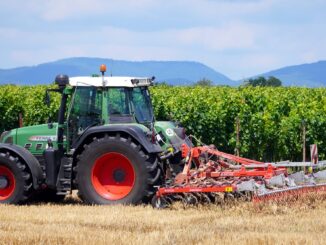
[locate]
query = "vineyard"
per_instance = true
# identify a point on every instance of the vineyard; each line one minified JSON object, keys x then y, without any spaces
{"x":270,"y":120}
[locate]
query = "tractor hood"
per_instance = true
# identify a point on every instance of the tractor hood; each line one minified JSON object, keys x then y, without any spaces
{"x":35,"y":138}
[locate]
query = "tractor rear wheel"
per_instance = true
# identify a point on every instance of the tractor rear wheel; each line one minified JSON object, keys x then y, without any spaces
{"x":15,"y":180}
{"x":115,"y":170}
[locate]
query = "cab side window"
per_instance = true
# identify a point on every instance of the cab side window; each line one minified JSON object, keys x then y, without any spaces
{"x":118,"y":102}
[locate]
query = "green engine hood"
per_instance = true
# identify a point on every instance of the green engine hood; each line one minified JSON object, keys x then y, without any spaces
{"x":35,"y":138}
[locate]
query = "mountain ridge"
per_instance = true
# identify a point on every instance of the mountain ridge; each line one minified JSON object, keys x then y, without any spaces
{"x":179,"y":72}
{"x":172,"y":72}
{"x":308,"y":75}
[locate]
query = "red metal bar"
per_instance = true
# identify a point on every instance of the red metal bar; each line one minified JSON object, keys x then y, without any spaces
{"x":241,"y":160}
{"x":239,"y":173}
{"x":211,"y":171}
{"x":191,"y":189}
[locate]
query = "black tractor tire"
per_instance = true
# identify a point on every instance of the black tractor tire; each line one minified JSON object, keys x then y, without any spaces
{"x":116,"y":160}
{"x":17,"y":178}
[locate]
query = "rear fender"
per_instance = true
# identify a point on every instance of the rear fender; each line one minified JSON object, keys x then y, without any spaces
{"x":135,"y":132}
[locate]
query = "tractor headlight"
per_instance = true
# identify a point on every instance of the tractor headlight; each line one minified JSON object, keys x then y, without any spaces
{"x":3,"y":135}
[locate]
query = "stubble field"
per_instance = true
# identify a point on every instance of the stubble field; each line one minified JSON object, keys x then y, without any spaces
{"x":296,"y":222}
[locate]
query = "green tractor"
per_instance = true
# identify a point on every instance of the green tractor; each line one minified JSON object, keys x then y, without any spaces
{"x":106,"y":144}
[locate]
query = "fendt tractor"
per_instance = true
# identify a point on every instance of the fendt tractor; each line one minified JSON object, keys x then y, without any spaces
{"x":107,"y":145}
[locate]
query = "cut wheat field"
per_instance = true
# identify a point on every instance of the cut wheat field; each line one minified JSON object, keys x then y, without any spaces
{"x":295,"y":222}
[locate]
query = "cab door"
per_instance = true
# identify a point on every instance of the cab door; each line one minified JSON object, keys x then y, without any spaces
{"x":85,"y":111}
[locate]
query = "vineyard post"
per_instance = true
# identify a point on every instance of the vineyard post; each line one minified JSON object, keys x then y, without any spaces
{"x":20,"y":119}
{"x":303,"y":123}
{"x":237,"y":147}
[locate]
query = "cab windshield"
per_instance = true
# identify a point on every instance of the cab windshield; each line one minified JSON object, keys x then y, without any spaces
{"x":132,"y":103}
{"x":142,"y":105}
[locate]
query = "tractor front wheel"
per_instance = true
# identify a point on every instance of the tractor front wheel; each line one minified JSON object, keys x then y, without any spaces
{"x":115,"y":170}
{"x":15,"y":180}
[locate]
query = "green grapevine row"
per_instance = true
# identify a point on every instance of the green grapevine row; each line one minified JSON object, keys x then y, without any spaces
{"x":270,"y":119}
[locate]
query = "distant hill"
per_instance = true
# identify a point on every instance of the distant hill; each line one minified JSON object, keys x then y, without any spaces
{"x":308,"y":75}
{"x":172,"y":72}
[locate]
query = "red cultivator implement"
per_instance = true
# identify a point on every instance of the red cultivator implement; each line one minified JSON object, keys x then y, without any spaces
{"x":212,"y":176}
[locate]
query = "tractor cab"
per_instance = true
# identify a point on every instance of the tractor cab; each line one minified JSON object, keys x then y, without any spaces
{"x":108,"y":100}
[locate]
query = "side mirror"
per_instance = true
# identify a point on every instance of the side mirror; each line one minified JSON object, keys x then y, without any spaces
{"x":47,"y":99}
{"x":62,"y":81}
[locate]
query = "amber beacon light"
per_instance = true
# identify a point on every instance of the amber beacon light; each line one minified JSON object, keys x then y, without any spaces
{"x":103,"y":69}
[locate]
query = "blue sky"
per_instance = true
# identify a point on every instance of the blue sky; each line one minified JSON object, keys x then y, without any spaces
{"x":239,"y":38}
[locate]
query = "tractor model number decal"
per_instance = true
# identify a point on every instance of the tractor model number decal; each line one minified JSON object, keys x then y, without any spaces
{"x":43,"y":138}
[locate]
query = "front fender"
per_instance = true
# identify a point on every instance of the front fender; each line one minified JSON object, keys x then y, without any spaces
{"x":32,"y":163}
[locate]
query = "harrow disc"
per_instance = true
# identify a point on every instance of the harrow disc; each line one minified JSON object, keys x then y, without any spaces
{"x":161,"y":202}
{"x":191,"y":199}
{"x":204,"y":198}
{"x":218,"y":198}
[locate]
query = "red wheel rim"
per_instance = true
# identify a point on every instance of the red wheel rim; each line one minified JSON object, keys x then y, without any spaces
{"x":6,"y":192}
{"x":113,"y":176}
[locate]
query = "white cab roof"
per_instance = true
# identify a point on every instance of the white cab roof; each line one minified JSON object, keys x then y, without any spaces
{"x":110,"y":81}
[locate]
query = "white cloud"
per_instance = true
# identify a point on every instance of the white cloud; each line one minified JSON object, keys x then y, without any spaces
{"x":122,"y":43}
{"x":54,"y":10}
{"x":226,"y":8}
{"x":233,"y":36}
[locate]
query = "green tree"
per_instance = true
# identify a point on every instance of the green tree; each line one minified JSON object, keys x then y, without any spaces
{"x":204,"y":83}
{"x":273,"y":82}
{"x":263,"y":82}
